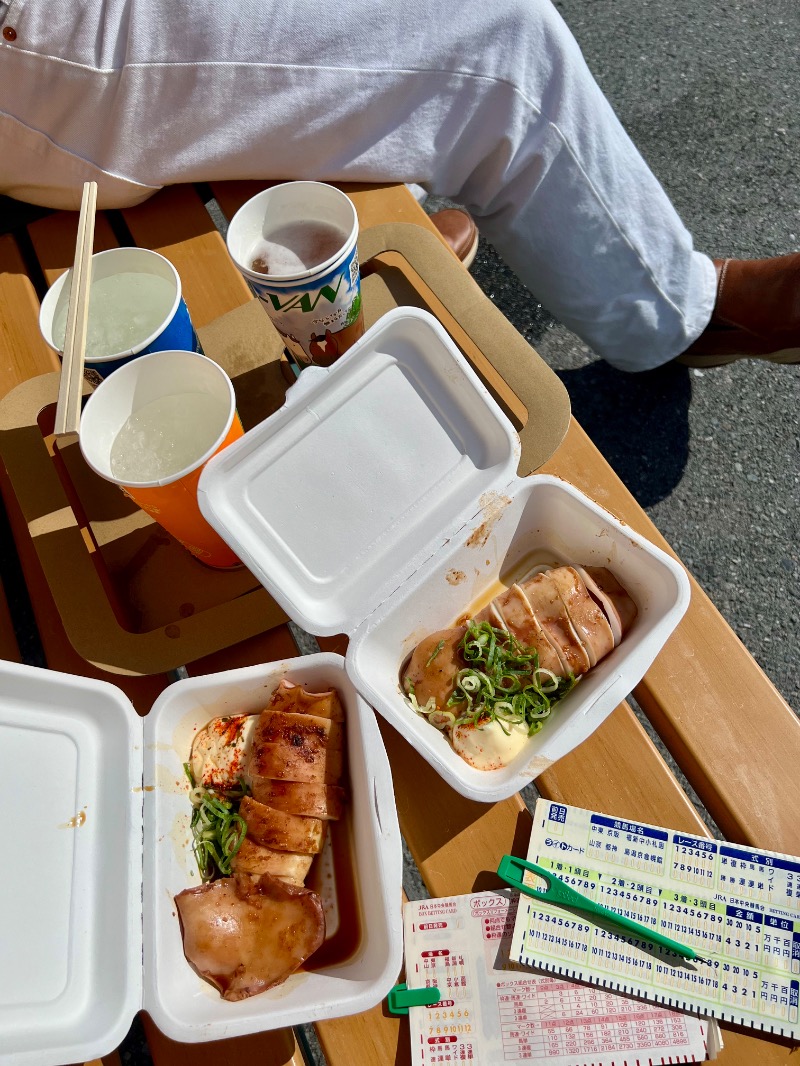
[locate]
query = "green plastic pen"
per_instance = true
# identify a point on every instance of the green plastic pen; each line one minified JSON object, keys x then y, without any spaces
{"x":512,"y":871}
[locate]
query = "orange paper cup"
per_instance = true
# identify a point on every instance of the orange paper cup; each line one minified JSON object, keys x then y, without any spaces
{"x":151,"y":427}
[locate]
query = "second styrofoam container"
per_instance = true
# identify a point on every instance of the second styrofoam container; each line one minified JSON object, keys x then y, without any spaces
{"x":382,"y":501}
{"x":540,"y":521}
{"x":91,"y":933}
{"x":183,"y":1005}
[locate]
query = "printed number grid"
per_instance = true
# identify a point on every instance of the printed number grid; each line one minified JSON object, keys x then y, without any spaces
{"x":738,"y":909}
{"x":542,"y":1020}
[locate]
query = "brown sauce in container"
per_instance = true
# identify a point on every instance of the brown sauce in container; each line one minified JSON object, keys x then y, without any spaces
{"x":344,"y":943}
{"x":520,"y":571}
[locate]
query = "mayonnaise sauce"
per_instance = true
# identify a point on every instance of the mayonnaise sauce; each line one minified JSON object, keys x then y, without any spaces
{"x":488,"y":747}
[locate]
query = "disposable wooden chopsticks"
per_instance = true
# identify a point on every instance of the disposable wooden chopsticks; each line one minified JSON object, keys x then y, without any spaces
{"x":68,"y":409}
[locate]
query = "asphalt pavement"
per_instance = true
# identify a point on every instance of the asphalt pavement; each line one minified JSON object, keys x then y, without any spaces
{"x":709,"y":93}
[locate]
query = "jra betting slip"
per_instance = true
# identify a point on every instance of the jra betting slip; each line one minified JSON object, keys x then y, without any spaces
{"x":738,"y":908}
{"x":493,"y":1010}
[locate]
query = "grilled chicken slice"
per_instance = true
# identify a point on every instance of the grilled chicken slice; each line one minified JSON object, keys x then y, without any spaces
{"x":247,"y":934}
{"x":273,"y":726}
{"x":295,"y":747}
{"x":588,"y":620}
{"x":610,"y":589}
{"x":300,"y":797}
{"x":549,"y":608}
{"x":491,"y":615}
{"x":252,"y":858}
{"x":519,"y":619}
{"x":281,"y":831}
{"x":572,"y":616}
{"x":433,"y":672}
{"x":290,"y":697}
{"x":605,"y":604}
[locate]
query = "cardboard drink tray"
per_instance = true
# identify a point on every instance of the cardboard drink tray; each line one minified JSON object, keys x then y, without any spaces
{"x":134,"y":601}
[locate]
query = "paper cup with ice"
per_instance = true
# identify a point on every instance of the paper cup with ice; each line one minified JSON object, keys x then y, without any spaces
{"x":151,"y":427}
{"x":296,"y":245}
{"x":135,"y":306}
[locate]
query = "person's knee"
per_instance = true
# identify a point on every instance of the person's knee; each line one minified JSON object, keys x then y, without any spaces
{"x":504,"y":39}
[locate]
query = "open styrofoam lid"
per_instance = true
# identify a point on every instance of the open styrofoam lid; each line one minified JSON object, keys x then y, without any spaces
{"x":70,"y":895}
{"x":337,"y":498}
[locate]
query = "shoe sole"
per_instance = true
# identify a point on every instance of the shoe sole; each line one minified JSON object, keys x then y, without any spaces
{"x":786,"y":357}
{"x":469,"y":258}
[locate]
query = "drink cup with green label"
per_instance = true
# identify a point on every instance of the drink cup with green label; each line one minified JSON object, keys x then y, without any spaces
{"x":295,"y":244}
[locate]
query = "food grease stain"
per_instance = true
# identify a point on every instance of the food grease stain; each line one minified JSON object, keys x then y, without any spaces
{"x":492,"y":505}
{"x":75,"y":822}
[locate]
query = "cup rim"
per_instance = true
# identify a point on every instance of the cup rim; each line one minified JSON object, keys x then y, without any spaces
{"x":279,"y":280}
{"x":114,"y":381}
{"x":58,"y":284}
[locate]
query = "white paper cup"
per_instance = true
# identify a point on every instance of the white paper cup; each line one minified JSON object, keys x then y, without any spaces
{"x":317,"y":307}
{"x":172,"y":330}
{"x":172,"y":499}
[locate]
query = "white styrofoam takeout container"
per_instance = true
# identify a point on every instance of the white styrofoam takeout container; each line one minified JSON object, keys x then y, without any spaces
{"x":90,"y":931}
{"x":382,"y":501}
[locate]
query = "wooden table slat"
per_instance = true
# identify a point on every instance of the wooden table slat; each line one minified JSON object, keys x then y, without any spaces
{"x":53,"y":240}
{"x":176,"y":223}
{"x":450,"y":837}
{"x":457,"y":844}
{"x":374,"y":1037}
{"x":107,"y":1060}
{"x":23,"y":352}
{"x":275,"y":1048}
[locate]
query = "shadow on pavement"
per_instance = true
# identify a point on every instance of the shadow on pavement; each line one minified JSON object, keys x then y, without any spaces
{"x":640,"y":422}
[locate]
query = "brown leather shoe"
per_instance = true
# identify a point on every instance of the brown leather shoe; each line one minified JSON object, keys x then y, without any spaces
{"x":756,"y":316}
{"x":459,"y":230}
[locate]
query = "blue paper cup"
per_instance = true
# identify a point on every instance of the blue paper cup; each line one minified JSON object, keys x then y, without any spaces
{"x":295,"y":244}
{"x":136,"y":289}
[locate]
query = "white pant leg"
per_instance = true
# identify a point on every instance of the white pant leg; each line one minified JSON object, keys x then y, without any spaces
{"x":489,"y":105}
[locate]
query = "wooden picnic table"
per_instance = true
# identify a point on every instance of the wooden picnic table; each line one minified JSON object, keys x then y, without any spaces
{"x":723,"y":722}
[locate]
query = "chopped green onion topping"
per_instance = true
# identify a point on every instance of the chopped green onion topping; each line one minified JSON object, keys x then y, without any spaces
{"x":436,"y":651}
{"x":501,"y":681}
{"x":217,"y":827}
